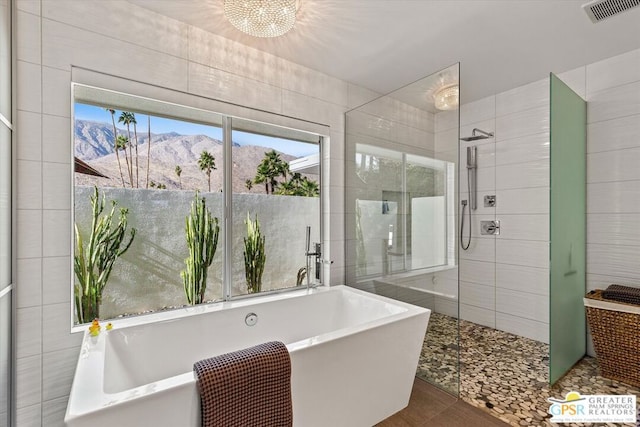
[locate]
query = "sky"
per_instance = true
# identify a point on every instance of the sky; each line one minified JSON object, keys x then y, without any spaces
{"x":163,"y":125}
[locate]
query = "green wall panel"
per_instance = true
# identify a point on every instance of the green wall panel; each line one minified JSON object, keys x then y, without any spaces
{"x":568,"y":117}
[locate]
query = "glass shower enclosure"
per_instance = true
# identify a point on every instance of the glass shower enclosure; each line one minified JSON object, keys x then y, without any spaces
{"x":400,"y":203}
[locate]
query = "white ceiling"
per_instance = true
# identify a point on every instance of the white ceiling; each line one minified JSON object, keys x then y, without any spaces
{"x":386,"y":44}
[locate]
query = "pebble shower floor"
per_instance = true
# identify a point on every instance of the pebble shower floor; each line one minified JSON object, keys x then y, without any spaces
{"x":504,"y":374}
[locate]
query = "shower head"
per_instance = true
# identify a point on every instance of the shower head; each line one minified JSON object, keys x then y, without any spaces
{"x":474,"y":137}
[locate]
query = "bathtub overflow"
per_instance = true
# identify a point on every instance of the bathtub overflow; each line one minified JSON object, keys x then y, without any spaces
{"x":251,"y":319}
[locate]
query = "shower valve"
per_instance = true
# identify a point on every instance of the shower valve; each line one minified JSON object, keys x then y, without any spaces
{"x":489,"y":227}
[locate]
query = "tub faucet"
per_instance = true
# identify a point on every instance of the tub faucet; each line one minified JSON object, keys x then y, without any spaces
{"x":317,"y":253}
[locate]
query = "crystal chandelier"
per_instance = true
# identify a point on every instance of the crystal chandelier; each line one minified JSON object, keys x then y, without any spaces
{"x":261,"y":18}
{"x":446,"y":98}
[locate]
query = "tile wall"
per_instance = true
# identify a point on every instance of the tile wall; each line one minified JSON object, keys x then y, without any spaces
{"x":504,"y":278}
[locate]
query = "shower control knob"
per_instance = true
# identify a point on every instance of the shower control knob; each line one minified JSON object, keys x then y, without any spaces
{"x":489,"y":228}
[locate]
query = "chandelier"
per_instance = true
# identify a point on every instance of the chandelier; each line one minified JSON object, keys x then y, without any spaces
{"x":447,"y":97}
{"x":261,"y":18}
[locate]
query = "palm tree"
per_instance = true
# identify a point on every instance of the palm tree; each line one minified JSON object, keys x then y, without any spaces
{"x":287,"y":188}
{"x":249,"y":184}
{"x":135,"y":135}
{"x":121,"y":144}
{"x":127,"y":118}
{"x":271,"y":167}
{"x":179,"y":172}
{"x":262,"y":176}
{"x":309,"y":188}
{"x":115,"y":141}
{"x":207,"y":163}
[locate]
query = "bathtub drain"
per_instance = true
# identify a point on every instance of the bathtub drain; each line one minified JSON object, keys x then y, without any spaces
{"x":251,"y":319}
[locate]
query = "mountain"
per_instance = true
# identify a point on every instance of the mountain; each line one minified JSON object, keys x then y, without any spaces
{"x":93,"y":142}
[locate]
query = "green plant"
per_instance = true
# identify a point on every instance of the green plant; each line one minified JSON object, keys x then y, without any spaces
{"x":128,"y":118}
{"x":93,"y":263}
{"x":116,"y":148}
{"x":271,"y":167}
{"x":202,"y":232}
{"x":207,"y":163}
{"x":254,"y":255}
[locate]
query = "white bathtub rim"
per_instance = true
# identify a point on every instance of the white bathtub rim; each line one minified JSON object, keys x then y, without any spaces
{"x":89,"y":396}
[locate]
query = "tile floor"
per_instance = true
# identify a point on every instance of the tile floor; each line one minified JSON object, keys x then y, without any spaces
{"x":503,"y":374}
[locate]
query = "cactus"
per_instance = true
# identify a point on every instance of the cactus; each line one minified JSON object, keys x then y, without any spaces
{"x":93,"y":264}
{"x":254,"y":255}
{"x":202,"y":232}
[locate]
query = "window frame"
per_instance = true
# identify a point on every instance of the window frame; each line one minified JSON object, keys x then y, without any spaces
{"x":227,"y":113}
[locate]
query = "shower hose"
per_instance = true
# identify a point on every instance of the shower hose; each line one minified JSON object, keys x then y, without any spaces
{"x":464,"y":206}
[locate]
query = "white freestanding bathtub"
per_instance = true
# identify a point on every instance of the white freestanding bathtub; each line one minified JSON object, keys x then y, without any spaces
{"x":353,"y":359}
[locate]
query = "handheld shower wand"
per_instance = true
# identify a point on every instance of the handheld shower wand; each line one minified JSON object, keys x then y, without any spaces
{"x":471,"y":177}
{"x":472,"y":169}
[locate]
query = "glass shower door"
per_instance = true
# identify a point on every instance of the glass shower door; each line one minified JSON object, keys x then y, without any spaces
{"x":400,"y":201}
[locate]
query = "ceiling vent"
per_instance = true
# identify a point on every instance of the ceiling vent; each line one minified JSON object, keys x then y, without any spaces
{"x":603,"y":9}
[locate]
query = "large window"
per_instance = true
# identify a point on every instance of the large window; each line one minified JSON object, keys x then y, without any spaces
{"x":402,"y":212}
{"x":208,"y":207}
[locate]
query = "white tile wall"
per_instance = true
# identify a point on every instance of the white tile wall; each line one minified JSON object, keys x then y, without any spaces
{"x":478,"y":111}
{"x":480,"y":272}
{"x":478,"y":295}
{"x":522,"y":304}
{"x":58,"y":132}
{"x":29,"y":184}
{"x":522,"y":252}
{"x":29,"y":85}
{"x":613,"y":189}
{"x":523,"y":149}
{"x":520,"y":278}
{"x":525,"y":227}
{"x":523,"y":98}
{"x":481,"y":316}
{"x":617,"y":165}
{"x":614,"y":134}
{"x":512,"y":267}
{"x":30,"y":416}
{"x":613,"y":228}
{"x":29,"y":370}
{"x":29,"y":138}
{"x":522,"y":123}
{"x":533,"y":329}
{"x":613,"y":103}
{"x":613,"y":197}
{"x":28,"y":44}
{"x":30,"y":293}
{"x":523,"y":175}
{"x":613,"y":72}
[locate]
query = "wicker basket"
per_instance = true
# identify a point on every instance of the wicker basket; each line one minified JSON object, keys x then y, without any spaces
{"x":615,"y":328}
